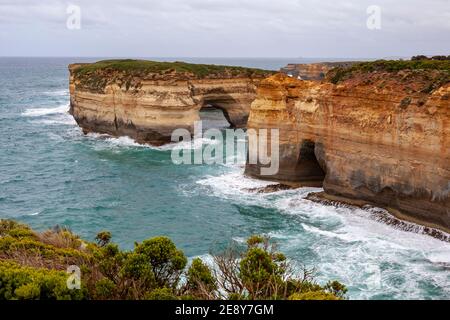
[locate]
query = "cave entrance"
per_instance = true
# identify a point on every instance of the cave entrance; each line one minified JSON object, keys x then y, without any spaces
{"x":214,"y":117}
{"x":308,"y":167}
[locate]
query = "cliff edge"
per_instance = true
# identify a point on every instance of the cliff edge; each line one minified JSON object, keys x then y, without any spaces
{"x":377,"y":132}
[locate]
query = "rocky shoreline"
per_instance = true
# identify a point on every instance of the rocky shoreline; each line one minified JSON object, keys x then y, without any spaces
{"x":380,"y":215}
{"x":385,"y":216}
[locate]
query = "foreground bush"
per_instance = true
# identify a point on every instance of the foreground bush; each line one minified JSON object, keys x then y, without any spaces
{"x":19,"y":282}
{"x":33,"y":266}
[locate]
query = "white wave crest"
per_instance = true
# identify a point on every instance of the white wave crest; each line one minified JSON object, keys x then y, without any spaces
{"x":195,"y":144}
{"x":57,"y":93}
{"x":57,"y":119}
{"x":125,"y":141}
{"x":116,"y":141}
{"x":233,"y":184}
{"x":39,"y":112}
{"x":342,"y":236}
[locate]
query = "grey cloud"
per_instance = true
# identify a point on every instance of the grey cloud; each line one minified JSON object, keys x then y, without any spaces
{"x":225,"y":28}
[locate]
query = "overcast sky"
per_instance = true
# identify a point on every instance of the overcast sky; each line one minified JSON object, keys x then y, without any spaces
{"x":225,"y":28}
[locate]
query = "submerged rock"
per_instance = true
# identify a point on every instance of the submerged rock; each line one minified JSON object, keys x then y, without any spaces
{"x":270,"y":188}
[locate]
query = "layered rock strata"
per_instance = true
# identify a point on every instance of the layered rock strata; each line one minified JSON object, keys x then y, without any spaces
{"x":147,"y":100}
{"x":375,"y":136}
{"x":313,"y":71}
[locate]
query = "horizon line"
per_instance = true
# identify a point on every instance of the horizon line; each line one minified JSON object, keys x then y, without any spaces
{"x":202,"y":57}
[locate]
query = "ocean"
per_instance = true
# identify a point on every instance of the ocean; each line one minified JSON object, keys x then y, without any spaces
{"x":51,"y":174}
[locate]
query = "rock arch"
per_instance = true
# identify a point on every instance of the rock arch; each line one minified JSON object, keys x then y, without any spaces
{"x":150,"y":113}
{"x":235,"y":111}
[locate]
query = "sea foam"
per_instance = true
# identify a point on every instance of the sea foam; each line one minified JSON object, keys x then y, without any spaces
{"x":39,"y":112}
{"x":125,"y":141}
{"x":350,"y":244}
{"x":57,"y":93}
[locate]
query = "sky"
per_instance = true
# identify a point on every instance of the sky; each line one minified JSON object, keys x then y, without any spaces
{"x":225,"y":28}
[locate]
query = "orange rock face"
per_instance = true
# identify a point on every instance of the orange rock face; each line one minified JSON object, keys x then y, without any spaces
{"x":379,"y":137}
{"x":151,"y":106}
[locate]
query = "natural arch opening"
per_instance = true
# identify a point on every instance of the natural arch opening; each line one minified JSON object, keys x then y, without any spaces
{"x":234,"y":110}
{"x":214,"y":117}
{"x":308,"y":165}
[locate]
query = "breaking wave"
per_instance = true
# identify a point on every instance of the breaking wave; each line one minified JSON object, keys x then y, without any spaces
{"x":39,"y":112}
{"x":125,"y":141}
{"x":351,"y":244}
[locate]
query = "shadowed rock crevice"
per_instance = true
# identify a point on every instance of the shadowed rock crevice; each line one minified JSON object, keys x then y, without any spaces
{"x":308,"y":167}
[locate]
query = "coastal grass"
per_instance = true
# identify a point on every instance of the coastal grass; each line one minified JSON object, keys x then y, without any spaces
{"x":340,"y":74}
{"x":129,"y":73}
{"x":146,"y":66}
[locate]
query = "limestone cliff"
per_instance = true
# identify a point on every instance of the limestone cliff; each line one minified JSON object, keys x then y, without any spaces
{"x":313,"y":71}
{"x":376,"y":132}
{"x":147,"y":100}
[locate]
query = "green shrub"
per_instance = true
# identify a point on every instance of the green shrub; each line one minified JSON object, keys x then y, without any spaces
{"x":164,"y":259}
{"x":258,"y":268}
{"x":137,"y":266}
{"x":200,"y":279}
{"x":313,"y":295}
{"x":14,"y":229}
{"x":18,"y":282}
{"x":105,"y":289}
{"x":260,"y":272}
{"x":109,"y":260}
{"x":30,"y":246}
{"x":161,"y":294}
{"x":255,"y":240}
{"x":103,"y":238}
{"x":336,"y":288}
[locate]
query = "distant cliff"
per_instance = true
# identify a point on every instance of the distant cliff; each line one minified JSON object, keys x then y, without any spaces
{"x":377,"y":132}
{"x":147,"y":100}
{"x":313,"y":71}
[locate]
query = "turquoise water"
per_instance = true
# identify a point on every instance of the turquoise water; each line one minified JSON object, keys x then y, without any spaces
{"x":50,"y":173}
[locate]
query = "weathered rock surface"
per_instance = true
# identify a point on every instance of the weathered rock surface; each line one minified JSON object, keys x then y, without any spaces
{"x":381,"y":137}
{"x":313,"y":71}
{"x":148,"y":100}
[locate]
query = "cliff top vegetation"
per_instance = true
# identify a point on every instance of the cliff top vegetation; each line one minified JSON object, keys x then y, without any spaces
{"x":439,"y":70}
{"x":146,"y":66}
{"x":129,"y":73}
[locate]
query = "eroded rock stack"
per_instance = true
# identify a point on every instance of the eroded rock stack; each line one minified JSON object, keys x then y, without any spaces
{"x":147,"y":100}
